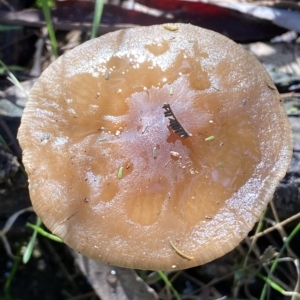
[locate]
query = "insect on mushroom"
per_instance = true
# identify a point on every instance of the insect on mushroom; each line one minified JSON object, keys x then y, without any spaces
{"x":174,"y":123}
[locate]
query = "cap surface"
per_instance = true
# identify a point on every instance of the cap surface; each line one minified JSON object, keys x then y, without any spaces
{"x":109,"y":175}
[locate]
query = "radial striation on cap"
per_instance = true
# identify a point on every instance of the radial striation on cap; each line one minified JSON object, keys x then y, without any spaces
{"x":154,"y":147}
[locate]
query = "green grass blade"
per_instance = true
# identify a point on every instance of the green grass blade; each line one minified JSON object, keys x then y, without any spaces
{"x":47,"y":15}
{"x":44,"y":233}
{"x":39,"y":4}
{"x":169,"y":284}
{"x":13,"y":78}
{"x":12,"y":273}
{"x":272,"y":284}
{"x":11,"y":68}
{"x":97,"y":17}
{"x":4,"y":27}
{"x":276,"y":260}
{"x":30,"y":246}
{"x":277,"y":287}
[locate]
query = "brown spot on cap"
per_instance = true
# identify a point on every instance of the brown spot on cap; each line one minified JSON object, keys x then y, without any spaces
{"x":130,"y":219}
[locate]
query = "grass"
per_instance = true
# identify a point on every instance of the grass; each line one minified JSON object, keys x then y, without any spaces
{"x":99,"y":4}
{"x":12,"y":78}
{"x":30,"y":246}
{"x":268,"y":281}
{"x":47,"y":15}
{"x":168,"y":283}
{"x":47,"y":5}
{"x":8,"y":282}
{"x":242,"y":272}
{"x":38,"y":229}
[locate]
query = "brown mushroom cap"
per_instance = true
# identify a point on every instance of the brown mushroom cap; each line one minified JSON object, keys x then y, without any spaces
{"x":110,"y":177}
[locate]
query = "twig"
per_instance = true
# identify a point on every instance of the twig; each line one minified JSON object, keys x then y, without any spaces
{"x":257,"y":235}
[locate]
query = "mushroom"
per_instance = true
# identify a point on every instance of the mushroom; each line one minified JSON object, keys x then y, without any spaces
{"x":154,"y":147}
